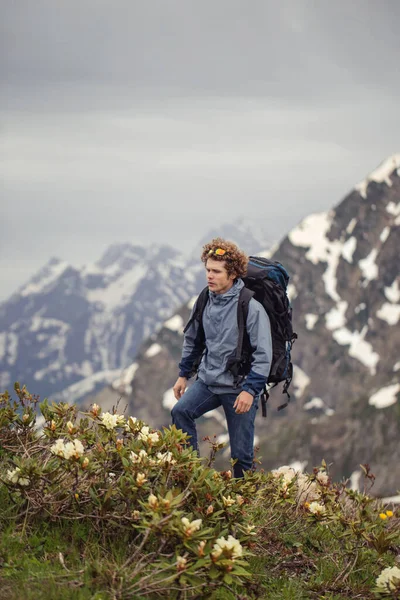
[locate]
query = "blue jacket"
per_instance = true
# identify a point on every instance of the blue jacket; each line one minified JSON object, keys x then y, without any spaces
{"x":221,"y":336}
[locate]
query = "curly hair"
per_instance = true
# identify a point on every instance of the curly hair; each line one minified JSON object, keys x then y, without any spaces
{"x":234,"y":258}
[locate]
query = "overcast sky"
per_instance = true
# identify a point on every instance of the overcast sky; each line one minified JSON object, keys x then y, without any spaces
{"x":153,"y":121}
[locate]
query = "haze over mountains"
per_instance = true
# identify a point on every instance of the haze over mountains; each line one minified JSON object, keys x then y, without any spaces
{"x":69,"y":332}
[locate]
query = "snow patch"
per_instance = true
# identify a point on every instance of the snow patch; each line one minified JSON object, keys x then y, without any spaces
{"x":119,"y":291}
{"x":380,"y":175}
{"x":291,"y":292}
{"x":391,"y":500}
{"x":335,"y":318}
{"x":385,"y":396}
{"x":54,"y":366}
{"x":389,"y":313}
{"x":8,"y":347}
{"x":311,"y":234}
{"x":392,"y":293}
{"x":191,"y":302}
{"x":85,"y":386}
{"x":45,"y":278}
{"x":369,"y":267}
{"x":314,"y":403}
{"x":5,"y":380}
{"x":175,"y":323}
{"x":393,"y":209}
{"x":169,"y":399}
{"x":270,"y":252}
{"x":384,"y":235}
{"x":123,"y":384}
{"x":300,"y":380}
{"x":311,"y":320}
{"x":360,"y":307}
{"x":350,"y":226}
{"x":349,"y":248}
{"x":3,"y":343}
{"x":39,"y":323}
{"x":355,"y":480}
{"x":298,"y":466}
{"x":153,"y":350}
{"x":359,"y":348}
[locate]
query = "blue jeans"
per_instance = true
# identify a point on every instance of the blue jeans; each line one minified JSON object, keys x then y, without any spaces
{"x":197,"y":400}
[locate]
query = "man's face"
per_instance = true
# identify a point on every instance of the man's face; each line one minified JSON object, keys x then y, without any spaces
{"x":218,"y":279}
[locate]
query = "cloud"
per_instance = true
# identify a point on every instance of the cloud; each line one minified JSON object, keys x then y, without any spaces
{"x":132,"y":121}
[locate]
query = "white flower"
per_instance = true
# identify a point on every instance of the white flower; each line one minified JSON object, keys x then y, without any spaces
{"x":110,"y":421}
{"x":134,"y":457}
{"x":144,"y":432}
{"x":190,"y":527}
{"x":153,"y":502}
{"x":287,"y":472}
{"x":70,"y":427}
{"x":58,"y":447}
{"x":316,"y":508}
{"x":230,"y":547}
{"x":322,"y":478}
{"x":141,"y":479}
{"x":146,"y":436}
{"x":166,"y":457}
{"x":228,"y":501}
{"x":181,"y":563}
{"x":69,"y":450}
{"x":14,"y":477}
{"x":130,"y":423}
{"x":389,"y":579}
{"x":139,"y":458}
{"x":95,"y":410}
{"x":79,"y":449}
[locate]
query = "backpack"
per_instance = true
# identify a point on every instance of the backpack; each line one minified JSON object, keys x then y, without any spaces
{"x":266,"y":281}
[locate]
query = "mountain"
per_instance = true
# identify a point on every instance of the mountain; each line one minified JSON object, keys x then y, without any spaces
{"x":345,"y":292}
{"x":70,"y":331}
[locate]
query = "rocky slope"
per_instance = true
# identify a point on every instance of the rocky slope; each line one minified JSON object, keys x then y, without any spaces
{"x":345,"y":291}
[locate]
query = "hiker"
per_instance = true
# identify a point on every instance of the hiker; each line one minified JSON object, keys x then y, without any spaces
{"x":215,"y":385}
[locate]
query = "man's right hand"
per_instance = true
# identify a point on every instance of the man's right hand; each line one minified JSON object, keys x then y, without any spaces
{"x":180,"y":387}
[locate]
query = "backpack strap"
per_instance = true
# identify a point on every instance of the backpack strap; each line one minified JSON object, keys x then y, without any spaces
{"x":199,"y":309}
{"x":242,"y":313}
{"x":235,"y":362}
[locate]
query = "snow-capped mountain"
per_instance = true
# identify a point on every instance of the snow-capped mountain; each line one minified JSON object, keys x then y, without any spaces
{"x":345,"y":292}
{"x":70,"y":331}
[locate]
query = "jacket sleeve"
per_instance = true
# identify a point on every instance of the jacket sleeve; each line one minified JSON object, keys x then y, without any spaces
{"x":259,"y":330}
{"x":192,"y":347}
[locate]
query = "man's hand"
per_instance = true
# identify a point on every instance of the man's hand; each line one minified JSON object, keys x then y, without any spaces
{"x":180,"y":387}
{"x":243,"y":402}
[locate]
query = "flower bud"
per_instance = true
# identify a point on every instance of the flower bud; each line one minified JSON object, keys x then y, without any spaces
{"x":153,"y":502}
{"x":95,"y":410}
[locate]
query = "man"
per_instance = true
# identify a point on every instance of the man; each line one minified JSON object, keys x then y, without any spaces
{"x":215,"y":386}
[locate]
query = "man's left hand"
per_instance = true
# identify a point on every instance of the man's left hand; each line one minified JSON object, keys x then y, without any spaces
{"x":243,"y":402}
